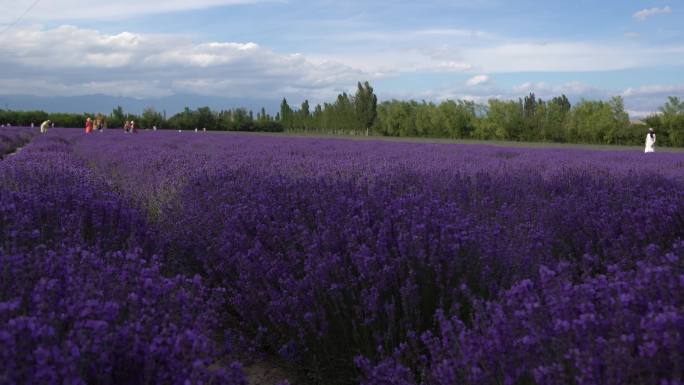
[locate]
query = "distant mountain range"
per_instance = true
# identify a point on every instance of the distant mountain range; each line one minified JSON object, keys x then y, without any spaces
{"x":105,"y":103}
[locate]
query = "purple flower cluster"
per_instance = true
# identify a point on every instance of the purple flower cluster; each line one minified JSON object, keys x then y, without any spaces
{"x":81,"y":301}
{"x":12,"y":138}
{"x":398,"y":262}
{"x":620,"y":327}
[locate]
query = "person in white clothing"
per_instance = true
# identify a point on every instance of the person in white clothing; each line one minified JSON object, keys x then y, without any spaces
{"x":44,"y":127}
{"x":650,"y":141}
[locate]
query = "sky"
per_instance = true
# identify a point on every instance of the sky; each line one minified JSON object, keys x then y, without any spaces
{"x":429,"y":50}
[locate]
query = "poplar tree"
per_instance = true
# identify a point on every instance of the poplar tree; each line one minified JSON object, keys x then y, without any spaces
{"x":365,"y":106}
{"x":285,"y":114}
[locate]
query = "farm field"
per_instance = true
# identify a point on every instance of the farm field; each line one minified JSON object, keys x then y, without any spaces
{"x":183,"y":258}
{"x":498,"y":143}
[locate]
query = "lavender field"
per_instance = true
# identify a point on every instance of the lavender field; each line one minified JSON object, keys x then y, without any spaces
{"x":182,"y":258}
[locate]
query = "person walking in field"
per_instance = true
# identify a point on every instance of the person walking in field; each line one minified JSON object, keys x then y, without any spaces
{"x":89,"y":126}
{"x":44,"y":127}
{"x":650,"y":141}
{"x":127,"y":127}
{"x":134,"y":127}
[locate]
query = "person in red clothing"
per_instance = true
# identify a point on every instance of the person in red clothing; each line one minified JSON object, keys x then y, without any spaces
{"x":89,"y":126}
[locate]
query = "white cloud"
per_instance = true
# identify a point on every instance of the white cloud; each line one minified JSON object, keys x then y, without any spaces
{"x":658,"y":89}
{"x":501,"y":56}
{"x":520,"y":57}
{"x":573,"y":88}
{"x":648,"y":12}
{"x":105,"y":9}
{"x":647,"y":99}
{"x":570,"y":56}
{"x":477,"y":80}
{"x":395,"y":62}
{"x":449,"y":66}
{"x":68,"y":60}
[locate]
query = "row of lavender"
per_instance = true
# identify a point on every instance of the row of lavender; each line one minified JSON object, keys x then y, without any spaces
{"x":12,"y":138}
{"x":83,"y":300}
{"x":417,"y":263}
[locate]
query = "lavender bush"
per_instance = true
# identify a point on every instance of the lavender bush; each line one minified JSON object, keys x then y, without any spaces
{"x":81,"y":302}
{"x":334,"y":249}
{"x":12,"y":138}
{"x":390,"y":262}
{"x":621,"y":327}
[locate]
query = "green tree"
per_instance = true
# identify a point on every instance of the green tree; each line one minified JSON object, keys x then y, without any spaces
{"x":151,"y":118}
{"x":304,"y":115}
{"x":672,"y":121}
{"x":620,"y":121}
{"x":317,"y":117}
{"x":116,"y":118}
{"x":263,"y":116}
{"x":205,"y":118}
{"x":555,"y":120}
{"x":673,"y":106}
{"x":597,"y":121}
{"x":365,"y":106}
{"x":504,"y":121}
{"x":286,"y":115}
{"x":458,"y":118}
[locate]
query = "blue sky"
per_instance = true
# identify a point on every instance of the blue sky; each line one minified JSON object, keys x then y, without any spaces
{"x":431,"y":50}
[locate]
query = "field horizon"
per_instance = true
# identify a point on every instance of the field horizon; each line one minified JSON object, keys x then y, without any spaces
{"x":418,"y":139}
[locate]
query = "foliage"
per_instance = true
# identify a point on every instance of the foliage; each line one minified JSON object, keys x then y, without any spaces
{"x":365,"y":105}
{"x":237,"y":119}
{"x":669,"y":124}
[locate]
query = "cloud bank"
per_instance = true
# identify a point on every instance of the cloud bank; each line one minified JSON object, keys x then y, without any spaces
{"x":68,"y":60}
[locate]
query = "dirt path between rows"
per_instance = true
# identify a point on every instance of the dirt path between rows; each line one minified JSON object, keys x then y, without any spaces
{"x":265,"y":373}
{"x":16,"y":151}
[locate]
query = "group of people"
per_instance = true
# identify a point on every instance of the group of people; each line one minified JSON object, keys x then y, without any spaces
{"x":95,"y":124}
{"x":130,"y":127}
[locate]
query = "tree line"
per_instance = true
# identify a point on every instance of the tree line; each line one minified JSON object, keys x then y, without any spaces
{"x":527,"y":119}
{"x":238,"y":119}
